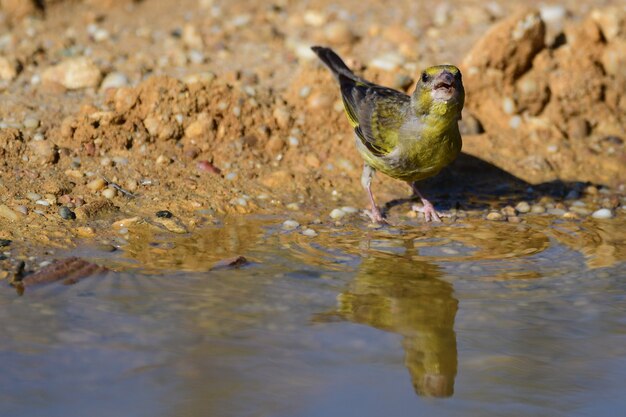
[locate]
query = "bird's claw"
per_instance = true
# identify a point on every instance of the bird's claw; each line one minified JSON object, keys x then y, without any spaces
{"x":429,"y":212}
{"x":376,"y":217}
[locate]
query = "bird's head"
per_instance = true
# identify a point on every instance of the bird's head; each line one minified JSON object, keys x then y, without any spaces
{"x":439,"y":91}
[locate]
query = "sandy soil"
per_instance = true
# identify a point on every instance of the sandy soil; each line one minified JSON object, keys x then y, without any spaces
{"x":114,"y":110}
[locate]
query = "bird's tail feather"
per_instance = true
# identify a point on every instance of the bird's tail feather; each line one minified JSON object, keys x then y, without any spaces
{"x":333,"y":62}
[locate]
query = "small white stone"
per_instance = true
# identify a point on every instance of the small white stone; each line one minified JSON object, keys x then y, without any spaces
{"x":290,"y":224}
{"x":309,"y":232}
{"x":293,"y":141}
{"x":42,"y":203}
{"x":337,"y":213}
{"x":515,"y":122}
{"x":109,"y":193}
{"x":603,"y":213}
{"x":508,"y":105}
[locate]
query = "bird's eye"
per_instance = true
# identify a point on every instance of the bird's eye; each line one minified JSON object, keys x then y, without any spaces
{"x":425,"y":77}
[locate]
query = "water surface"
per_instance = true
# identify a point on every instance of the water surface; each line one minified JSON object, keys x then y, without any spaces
{"x":471,"y":319}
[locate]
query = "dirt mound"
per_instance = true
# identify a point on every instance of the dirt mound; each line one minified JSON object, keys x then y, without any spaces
{"x":551,"y":110}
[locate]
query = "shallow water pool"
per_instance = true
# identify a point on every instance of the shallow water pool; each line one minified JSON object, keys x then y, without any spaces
{"x":470,"y":319}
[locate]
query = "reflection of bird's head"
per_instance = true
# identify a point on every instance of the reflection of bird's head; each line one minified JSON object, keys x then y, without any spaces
{"x":440,"y":90}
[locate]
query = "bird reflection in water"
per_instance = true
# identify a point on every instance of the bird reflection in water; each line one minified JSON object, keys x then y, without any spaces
{"x":405,"y":296}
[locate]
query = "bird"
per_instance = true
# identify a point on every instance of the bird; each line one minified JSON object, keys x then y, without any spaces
{"x":408,"y":138}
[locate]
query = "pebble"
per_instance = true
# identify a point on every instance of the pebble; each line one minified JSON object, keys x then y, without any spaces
{"x":66,"y":213}
{"x":162,"y":159}
{"x":309,"y":232}
{"x":4,"y":242}
{"x":74,"y":73}
{"x":509,"y":211}
{"x":570,"y":215}
{"x":33,"y":196}
{"x":109,"y":193}
{"x":206,"y":166}
{"x":31,"y":123}
{"x":337,"y":213}
{"x":495,"y":216}
{"x":114,"y":80}
{"x":42,"y":203}
{"x":166,"y":214}
{"x":8,"y":69}
{"x":537,"y":209}
{"x":96,"y":185}
{"x":7,"y":213}
{"x":603,"y":213}
{"x":290,"y":225}
{"x":293,"y":206}
{"x":22,"y":210}
{"x":522,"y":207}
{"x":514,"y":219}
{"x":339,"y":32}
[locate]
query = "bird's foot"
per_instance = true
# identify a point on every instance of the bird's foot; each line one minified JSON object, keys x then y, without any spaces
{"x":429,"y":212}
{"x":376,"y":216}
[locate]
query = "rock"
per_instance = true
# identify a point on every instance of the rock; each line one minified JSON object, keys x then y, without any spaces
{"x":66,"y":213}
{"x":236,"y":262}
{"x":4,"y":242}
{"x":74,"y":74}
{"x":508,"y":47}
{"x":522,"y":207}
{"x":339,"y":32}
{"x":309,"y":232}
{"x":537,"y":209}
{"x":337,"y":214}
{"x":109,"y":193}
{"x":200,"y":127}
{"x":30,"y":123}
{"x":603,"y":213}
{"x":290,"y":225}
{"x":96,"y":185}
{"x":114,"y":80}
{"x":7,"y":213}
{"x":45,"y":151}
{"x":95,"y":209}
{"x":206,"y":166}
{"x":8,"y":69}
{"x":166,"y":214}
{"x":495,"y":216}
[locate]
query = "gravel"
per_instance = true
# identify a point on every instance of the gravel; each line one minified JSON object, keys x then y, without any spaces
{"x":603,"y":213}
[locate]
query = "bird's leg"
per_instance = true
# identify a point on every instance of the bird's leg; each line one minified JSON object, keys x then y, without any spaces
{"x":366,"y":181}
{"x":427,"y":207}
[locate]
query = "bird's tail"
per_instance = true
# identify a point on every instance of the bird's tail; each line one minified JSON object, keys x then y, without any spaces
{"x":333,"y":62}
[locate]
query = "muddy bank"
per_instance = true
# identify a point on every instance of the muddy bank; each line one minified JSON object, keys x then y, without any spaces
{"x":113,"y":113}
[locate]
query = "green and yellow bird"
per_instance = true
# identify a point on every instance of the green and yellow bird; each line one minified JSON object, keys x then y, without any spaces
{"x":406,"y":137}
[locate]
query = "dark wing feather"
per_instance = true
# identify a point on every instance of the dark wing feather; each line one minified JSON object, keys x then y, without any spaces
{"x":375,"y":112}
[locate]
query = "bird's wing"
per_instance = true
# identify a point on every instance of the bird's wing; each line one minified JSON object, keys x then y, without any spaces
{"x":375,"y":112}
